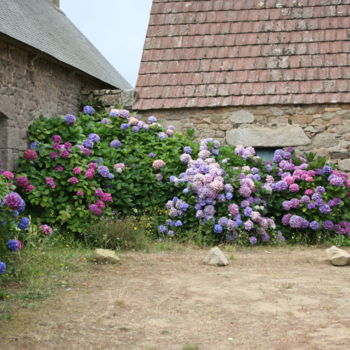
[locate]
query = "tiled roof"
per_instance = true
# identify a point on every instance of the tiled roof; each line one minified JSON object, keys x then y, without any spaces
{"x":209,"y":53}
{"x":41,"y":25}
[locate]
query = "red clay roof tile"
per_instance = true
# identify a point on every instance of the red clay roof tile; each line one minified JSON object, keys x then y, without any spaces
{"x":216,"y":52}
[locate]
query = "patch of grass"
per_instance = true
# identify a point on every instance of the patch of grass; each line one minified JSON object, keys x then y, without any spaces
{"x":191,"y":347}
{"x":126,"y":234}
{"x":38,"y":274}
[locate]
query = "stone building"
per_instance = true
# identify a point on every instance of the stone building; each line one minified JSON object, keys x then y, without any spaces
{"x":265,"y":73}
{"x":45,"y":62}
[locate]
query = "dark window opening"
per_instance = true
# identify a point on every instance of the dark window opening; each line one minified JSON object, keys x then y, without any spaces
{"x":266,"y":153}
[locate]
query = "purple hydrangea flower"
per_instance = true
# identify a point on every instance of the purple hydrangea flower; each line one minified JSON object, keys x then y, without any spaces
{"x":103,"y":170}
{"x":14,"y":201}
{"x":162,"y":229}
{"x":105,"y":121}
{"x":70,"y":119}
{"x":188,"y":150}
{"x":124,"y":126}
{"x":253,"y":240}
{"x":248,"y":225}
{"x":88,"y":143}
{"x":115,"y":144}
{"x":88,"y":110}
{"x":314,"y":225}
{"x":151,"y":119}
{"x":328,"y":225}
{"x":94,"y":138}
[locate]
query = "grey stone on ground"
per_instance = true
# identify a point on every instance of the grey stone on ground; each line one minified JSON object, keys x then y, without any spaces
{"x":106,"y":256}
{"x":216,"y":257}
{"x":338,"y":257}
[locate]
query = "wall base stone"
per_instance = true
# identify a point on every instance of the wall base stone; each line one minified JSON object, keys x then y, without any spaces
{"x":323,"y":129}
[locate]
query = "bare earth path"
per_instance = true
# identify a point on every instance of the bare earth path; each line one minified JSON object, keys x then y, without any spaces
{"x":280,"y":298}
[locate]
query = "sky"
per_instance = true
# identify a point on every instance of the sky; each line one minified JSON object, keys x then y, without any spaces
{"x":117,"y":28}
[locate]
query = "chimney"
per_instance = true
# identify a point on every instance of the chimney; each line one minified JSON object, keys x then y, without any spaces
{"x":56,"y":3}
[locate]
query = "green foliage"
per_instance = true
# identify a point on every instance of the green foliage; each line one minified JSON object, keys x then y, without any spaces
{"x":135,"y":187}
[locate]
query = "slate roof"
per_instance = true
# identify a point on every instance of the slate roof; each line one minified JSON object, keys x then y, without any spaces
{"x":210,"y":53}
{"x":39,"y":24}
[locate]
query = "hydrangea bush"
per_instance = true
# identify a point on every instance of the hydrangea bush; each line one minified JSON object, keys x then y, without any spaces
{"x":79,"y":168}
{"x":230,"y":194}
{"x":12,"y":220}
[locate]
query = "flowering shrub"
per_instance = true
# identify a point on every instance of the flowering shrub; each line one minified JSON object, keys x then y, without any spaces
{"x":87,"y":166}
{"x":80,"y":168}
{"x":12,"y":220}
{"x":232,"y":195}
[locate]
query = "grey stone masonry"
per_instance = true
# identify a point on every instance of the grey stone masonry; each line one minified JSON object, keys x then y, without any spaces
{"x":113,"y":98}
{"x":32,"y":85}
{"x":320,"y":128}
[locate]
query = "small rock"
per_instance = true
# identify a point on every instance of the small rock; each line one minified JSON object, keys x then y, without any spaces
{"x":106,"y":255}
{"x":216,"y":257}
{"x":338,"y":257}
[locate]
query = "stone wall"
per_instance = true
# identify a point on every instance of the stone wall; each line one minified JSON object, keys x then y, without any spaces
{"x":324,"y":129}
{"x":113,"y":98}
{"x":31,"y":86}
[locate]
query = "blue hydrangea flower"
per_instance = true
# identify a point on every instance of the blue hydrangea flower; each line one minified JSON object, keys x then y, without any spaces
{"x":94,"y":138}
{"x":152,"y":155}
{"x":103,"y":171}
{"x":115,"y":144}
{"x":88,"y":143}
{"x":218,"y":228}
{"x":70,"y":119}
{"x":88,"y":110}
{"x":106,"y":121}
{"x":34,"y":145}
{"x":13,"y":245}
{"x":188,"y":150}
{"x":2,"y":267}
{"x":171,"y":233}
{"x":23,"y":223}
{"x":124,"y":126}
{"x":178,"y":223}
{"x":151,"y":119}
{"x":162,"y":229}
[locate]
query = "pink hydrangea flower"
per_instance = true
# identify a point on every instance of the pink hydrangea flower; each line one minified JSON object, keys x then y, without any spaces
{"x":22,"y":181}
{"x":59,"y":168}
{"x":119,"y":167}
{"x":79,"y":193}
{"x":8,"y":175}
{"x":65,"y":154}
{"x":77,"y":170}
{"x":95,"y":209}
{"x":158,"y":164}
{"x":46,"y":229}
{"x":29,"y":188}
{"x":50,"y":181}
{"x":133,"y":121}
{"x":159,"y":177}
{"x":73,"y":180}
{"x":56,"y":138}
{"x":30,"y":154}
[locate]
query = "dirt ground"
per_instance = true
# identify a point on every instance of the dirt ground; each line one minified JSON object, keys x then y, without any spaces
{"x":267,"y":298}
